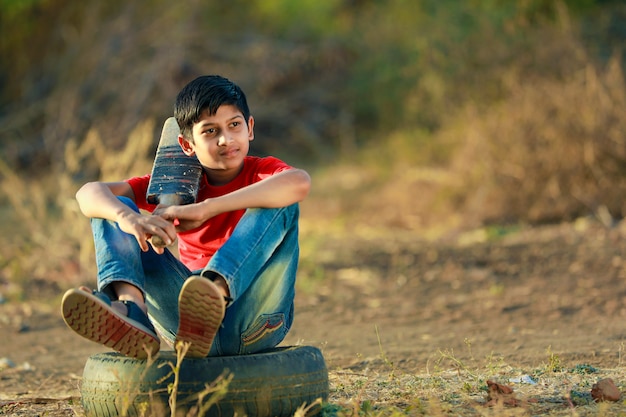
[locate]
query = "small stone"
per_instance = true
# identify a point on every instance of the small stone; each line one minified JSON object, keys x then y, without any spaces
{"x":6,"y":363}
{"x":22,"y":328}
{"x":605,"y":390}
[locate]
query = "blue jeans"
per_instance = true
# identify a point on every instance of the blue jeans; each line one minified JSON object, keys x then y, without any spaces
{"x":258,"y":262}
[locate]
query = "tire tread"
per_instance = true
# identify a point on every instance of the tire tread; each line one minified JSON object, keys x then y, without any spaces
{"x":272,"y":383}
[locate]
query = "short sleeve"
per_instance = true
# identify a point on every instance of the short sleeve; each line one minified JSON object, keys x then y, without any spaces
{"x":139,"y":186}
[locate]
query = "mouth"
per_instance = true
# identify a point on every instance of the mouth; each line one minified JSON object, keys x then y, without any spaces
{"x":230,"y":153}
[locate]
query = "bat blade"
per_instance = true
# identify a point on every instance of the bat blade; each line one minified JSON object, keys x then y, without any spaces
{"x":175,"y":178}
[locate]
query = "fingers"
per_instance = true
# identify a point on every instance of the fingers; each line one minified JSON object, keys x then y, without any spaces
{"x":156,"y":234}
{"x":165,"y":212}
{"x":143,"y":242}
{"x":166,"y":235}
{"x":150,"y":231}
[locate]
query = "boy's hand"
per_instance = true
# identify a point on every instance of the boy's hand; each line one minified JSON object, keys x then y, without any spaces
{"x":144,"y":227}
{"x":187,"y":217}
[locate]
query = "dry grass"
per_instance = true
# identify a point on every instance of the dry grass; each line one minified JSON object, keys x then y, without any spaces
{"x":45,"y":236}
{"x":447,"y":387}
{"x":450,"y":387}
{"x":552,"y":150}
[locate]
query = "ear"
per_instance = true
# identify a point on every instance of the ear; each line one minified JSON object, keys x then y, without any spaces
{"x":251,"y":129}
{"x":186,"y":146}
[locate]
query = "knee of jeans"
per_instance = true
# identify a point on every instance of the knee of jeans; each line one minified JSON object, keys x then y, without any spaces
{"x":290,"y":214}
{"x":129,"y":202}
{"x":267,"y":331}
{"x":292,"y":210}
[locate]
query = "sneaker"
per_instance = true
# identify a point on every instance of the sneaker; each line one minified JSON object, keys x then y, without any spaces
{"x":201,"y":308}
{"x":91,"y":316}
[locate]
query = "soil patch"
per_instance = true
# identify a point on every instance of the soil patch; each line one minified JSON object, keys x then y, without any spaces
{"x":395,"y":305}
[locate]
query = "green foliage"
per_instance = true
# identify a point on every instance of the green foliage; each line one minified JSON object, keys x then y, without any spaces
{"x":13,"y":9}
{"x":548,"y":9}
{"x":404,"y":75}
{"x":584,"y":369}
{"x":312,"y":19}
{"x":21,"y":40}
{"x":397,"y":65}
{"x":554,"y":362}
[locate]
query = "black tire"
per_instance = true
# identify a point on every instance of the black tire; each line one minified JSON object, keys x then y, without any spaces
{"x":273,"y":383}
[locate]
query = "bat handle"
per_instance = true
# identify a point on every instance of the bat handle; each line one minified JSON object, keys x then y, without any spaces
{"x":157,"y":242}
{"x":166,"y":200}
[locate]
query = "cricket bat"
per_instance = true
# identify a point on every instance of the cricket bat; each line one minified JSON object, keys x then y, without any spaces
{"x":175,"y":176}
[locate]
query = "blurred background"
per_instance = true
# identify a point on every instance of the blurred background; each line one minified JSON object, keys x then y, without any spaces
{"x":421,"y":118}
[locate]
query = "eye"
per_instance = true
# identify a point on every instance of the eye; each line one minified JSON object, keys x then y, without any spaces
{"x":235,"y":124}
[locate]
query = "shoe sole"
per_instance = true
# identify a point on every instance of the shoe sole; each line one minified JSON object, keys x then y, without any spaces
{"x":95,"y":320}
{"x":201,"y":309}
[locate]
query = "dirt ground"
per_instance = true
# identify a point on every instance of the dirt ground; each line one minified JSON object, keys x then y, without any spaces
{"x":520,"y":297}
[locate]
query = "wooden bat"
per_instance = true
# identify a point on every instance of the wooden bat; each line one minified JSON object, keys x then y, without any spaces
{"x":175,"y":176}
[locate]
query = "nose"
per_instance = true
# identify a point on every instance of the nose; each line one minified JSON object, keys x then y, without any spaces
{"x":223,"y":140}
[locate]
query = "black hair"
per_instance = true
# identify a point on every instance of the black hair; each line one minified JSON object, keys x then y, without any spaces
{"x":207,"y":92}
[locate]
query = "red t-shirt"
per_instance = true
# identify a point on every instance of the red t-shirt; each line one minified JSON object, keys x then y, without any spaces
{"x":198,"y":245}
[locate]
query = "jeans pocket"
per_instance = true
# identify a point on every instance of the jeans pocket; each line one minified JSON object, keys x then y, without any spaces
{"x":267,"y":331}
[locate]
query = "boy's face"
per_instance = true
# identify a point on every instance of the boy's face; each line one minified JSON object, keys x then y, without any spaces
{"x":220,"y":142}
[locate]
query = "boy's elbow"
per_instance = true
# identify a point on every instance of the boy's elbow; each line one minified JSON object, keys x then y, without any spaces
{"x":82,"y":191}
{"x":304,"y":184}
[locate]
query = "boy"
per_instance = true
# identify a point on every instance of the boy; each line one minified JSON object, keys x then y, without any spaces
{"x":232,"y":290}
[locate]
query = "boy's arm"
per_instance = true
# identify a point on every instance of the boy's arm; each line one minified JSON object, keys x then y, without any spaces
{"x":99,"y":200}
{"x":279,"y":190}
